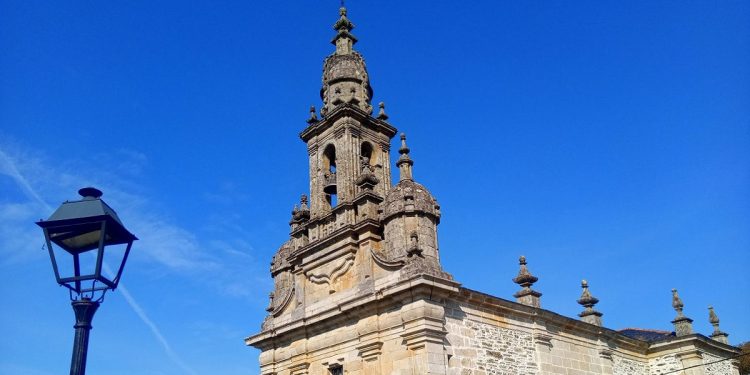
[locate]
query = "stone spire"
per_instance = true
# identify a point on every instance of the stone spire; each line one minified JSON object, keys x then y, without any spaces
{"x":589,"y":315}
{"x":301,"y":213}
{"x":714,"y":320}
{"x":381,"y":113}
{"x":682,"y":324}
{"x":404,"y":162}
{"x":343,"y":40}
{"x":525,"y":279}
{"x":313,"y":116}
{"x":345,"y":78}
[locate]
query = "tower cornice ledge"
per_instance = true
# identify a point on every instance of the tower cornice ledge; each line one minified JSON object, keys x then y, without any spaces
{"x":416,"y":288}
{"x":352,"y":111}
{"x":695,"y":340}
{"x":348,"y":232}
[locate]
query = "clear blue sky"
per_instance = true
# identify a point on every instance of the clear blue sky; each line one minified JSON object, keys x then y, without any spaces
{"x":605,"y":140}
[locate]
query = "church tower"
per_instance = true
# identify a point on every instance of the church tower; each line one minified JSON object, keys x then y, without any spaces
{"x":356,"y":242}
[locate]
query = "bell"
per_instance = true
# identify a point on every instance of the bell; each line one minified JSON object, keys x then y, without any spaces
{"x":329,"y":185}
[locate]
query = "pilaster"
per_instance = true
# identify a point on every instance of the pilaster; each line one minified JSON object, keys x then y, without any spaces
{"x":692,"y":362}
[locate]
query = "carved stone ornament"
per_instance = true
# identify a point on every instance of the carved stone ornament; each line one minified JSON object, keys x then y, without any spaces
{"x":330,"y":272}
{"x":370,"y":351}
{"x":283,"y":292}
{"x":299,"y":369}
{"x":385,"y":263}
{"x":543,"y":339}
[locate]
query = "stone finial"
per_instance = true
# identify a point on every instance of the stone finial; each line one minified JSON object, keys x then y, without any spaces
{"x":717,"y":334}
{"x":303,"y":203}
{"x":344,"y":38}
{"x":404,"y":162}
{"x":589,"y":314}
{"x":270,"y":302}
{"x":381,"y":113}
{"x":682,"y":324}
{"x":525,"y":279}
{"x":300,"y":213}
{"x":313,"y":116}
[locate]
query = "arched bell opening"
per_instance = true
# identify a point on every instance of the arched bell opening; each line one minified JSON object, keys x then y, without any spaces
{"x":329,"y":174}
{"x":367,"y":157}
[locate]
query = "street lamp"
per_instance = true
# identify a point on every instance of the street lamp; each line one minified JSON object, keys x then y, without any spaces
{"x":83,"y":229}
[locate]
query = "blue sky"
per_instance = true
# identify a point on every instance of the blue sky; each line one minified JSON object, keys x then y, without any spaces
{"x":604,"y":140}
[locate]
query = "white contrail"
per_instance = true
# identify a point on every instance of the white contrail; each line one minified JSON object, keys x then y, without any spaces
{"x":154,"y":329}
{"x":23,"y":183}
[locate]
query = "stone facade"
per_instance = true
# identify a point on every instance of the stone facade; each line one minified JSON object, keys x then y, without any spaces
{"x":359,"y":288}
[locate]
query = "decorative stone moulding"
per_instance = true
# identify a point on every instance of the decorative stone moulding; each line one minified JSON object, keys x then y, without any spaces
{"x":370,"y":351}
{"x":424,"y":331}
{"x":284,"y":302}
{"x":415,"y":340}
{"x":386,"y":264}
{"x":606,"y":354}
{"x":331,"y":271}
{"x":543,"y":339}
{"x":299,"y":369}
{"x":333,"y":362}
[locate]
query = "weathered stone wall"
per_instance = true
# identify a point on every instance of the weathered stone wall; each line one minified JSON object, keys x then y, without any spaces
{"x":664,"y":364}
{"x":483,"y":341}
{"x":716,"y":368}
{"x":481,"y":348}
{"x":625,"y":366}
{"x":571,"y":356}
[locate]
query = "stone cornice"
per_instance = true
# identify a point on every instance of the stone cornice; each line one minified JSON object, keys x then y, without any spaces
{"x":418,"y":287}
{"x":695,"y":340}
{"x":347,"y":110}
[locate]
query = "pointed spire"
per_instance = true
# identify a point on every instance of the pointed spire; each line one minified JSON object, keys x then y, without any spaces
{"x":525,"y":279}
{"x":343,"y":40}
{"x":313,"y":116}
{"x":589,"y":314}
{"x":682,"y":324}
{"x":381,"y":113}
{"x":714,"y":320}
{"x":404,"y":162}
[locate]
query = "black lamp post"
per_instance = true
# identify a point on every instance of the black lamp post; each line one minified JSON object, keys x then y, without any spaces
{"x":83,"y":229}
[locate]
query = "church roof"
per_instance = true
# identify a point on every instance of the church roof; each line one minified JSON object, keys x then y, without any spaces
{"x":648,"y":335}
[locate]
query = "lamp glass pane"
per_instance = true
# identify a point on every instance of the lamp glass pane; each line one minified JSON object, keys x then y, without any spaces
{"x":82,"y":242}
{"x":64,"y":262}
{"x":113,"y":255}
{"x":87,"y":261}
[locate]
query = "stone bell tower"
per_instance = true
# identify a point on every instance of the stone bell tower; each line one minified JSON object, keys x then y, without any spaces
{"x":348,"y":148}
{"x":360,"y":250}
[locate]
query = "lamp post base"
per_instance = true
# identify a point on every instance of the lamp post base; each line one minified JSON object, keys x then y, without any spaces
{"x":84,"y":310}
